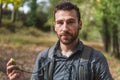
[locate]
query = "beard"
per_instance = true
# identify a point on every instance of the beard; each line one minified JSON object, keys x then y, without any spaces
{"x":67,"y":37}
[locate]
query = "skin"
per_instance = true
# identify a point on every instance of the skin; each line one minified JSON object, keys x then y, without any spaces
{"x":12,"y":71}
{"x":67,"y":28}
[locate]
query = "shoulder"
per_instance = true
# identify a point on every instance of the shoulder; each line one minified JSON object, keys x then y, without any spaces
{"x":97,"y":57}
{"x":45,"y":53}
{"x":42,"y":54}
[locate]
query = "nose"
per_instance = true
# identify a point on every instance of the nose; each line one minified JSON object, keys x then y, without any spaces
{"x":65,"y":27}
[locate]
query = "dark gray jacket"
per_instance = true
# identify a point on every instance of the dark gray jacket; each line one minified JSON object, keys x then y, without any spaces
{"x":67,"y":68}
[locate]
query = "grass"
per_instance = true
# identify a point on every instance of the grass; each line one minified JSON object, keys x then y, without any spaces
{"x":27,"y":37}
{"x":114,"y":65}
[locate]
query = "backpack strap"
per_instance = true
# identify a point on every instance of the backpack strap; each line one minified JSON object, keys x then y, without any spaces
{"x":51,"y":64}
{"x":85,"y":63}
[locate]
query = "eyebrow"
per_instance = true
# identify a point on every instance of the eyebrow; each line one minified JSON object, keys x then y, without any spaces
{"x":70,"y":19}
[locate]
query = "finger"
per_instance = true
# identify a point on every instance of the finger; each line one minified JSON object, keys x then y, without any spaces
{"x":15,"y":74}
{"x":9,"y":63}
{"x":10,"y":68}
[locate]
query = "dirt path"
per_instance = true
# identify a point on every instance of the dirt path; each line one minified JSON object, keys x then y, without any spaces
{"x":25,"y":58}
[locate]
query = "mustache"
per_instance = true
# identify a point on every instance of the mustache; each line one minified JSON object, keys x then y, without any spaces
{"x":65,"y":33}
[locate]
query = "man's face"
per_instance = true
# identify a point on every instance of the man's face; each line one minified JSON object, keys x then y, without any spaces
{"x":67,"y":26}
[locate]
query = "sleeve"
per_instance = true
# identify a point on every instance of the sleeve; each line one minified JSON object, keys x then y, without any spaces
{"x":102,"y":71}
{"x":38,"y":71}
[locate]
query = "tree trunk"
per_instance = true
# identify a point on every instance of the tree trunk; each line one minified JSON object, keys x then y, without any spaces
{"x":106,"y":36}
{"x":0,"y":14}
{"x":13,"y":15}
{"x":116,"y":49}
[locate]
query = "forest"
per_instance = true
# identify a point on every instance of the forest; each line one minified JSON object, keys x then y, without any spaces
{"x":26,"y":25}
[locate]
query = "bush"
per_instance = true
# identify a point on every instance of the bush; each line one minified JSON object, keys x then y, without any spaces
{"x":3,"y":30}
{"x":31,"y":31}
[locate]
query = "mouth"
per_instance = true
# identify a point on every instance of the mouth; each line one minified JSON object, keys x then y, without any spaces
{"x":66,"y":34}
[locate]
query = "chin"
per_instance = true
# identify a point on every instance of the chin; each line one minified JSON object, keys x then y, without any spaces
{"x":66,"y":42}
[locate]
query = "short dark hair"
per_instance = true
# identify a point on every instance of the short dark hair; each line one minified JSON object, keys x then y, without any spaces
{"x":66,"y":5}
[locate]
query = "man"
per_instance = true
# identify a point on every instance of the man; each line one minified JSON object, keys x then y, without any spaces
{"x":63,"y":60}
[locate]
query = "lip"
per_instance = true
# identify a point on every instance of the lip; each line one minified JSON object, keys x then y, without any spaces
{"x":65,"y":35}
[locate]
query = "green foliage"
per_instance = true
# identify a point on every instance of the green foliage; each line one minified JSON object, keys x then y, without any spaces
{"x":109,"y":9}
{"x":114,"y":12}
{"x":16,"y":3}
{"x":31,"y":31}
{"x":32,"y":14}
{"x":50,"y":11}
{"x":88,"y":19}
{"x":109,"y":17}
{"x":42,"y":16}
{"x":37,"y":15}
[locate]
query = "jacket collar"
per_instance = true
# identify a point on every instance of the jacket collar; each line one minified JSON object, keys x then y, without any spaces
{"x":79,"y":46}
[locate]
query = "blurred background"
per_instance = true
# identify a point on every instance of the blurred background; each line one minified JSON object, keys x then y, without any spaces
{"x":26,"y":28}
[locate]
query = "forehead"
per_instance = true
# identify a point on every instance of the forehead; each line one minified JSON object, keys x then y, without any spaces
{"x":65,"y":14}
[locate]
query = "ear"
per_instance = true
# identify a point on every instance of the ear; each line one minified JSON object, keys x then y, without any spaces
{"x":80,"y":24}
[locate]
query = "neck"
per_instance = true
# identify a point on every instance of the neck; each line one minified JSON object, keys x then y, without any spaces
{"x":68,"y":49}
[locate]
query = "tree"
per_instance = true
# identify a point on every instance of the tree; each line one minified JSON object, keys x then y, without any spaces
{"x":114,"y":16}
{"x":103,"y":11}
{"x":42,"y":16}
{"x":16,"y":4}
{"x":32,"y":14}
{"x":0,"y":13}
{"x":51,"y":7}
{"x":1,"y":3}
{"x":110,"y":20}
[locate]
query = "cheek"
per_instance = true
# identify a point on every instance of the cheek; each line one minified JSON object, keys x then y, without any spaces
{"x":57,"y":30}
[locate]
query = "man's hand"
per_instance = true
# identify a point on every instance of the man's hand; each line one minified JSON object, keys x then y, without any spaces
{"x":13,"y":71}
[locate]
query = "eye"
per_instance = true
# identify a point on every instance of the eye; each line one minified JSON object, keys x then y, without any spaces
{"x":70,"y":22}
{"x":59,"y":22}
